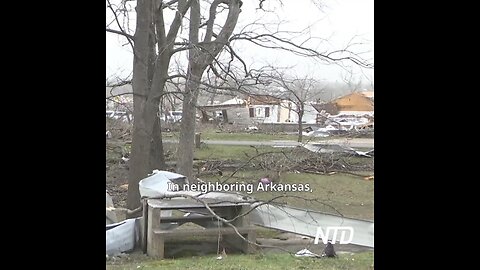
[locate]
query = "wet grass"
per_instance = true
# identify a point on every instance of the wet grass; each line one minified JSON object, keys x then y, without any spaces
{"x":209,"y":134}
{"x":357,"y":261}
{"x":349,"y":195}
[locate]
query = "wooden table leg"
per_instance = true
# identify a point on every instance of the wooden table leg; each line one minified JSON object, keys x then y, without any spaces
{"x":155,"y":242}
{"x":242,"y":222}
{"x":252,"y":235}
{"x":144,"y":225}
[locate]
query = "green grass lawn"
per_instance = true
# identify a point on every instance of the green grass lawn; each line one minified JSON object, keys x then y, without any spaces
{"x":242,"y":136}
{"x":349,"y":195}
{"x":237,"y":136}
{"x":245,"y":136}
{"x":357,"y":261}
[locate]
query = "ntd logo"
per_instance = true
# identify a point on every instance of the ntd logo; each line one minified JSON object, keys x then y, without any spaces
{"x":326,"y":235}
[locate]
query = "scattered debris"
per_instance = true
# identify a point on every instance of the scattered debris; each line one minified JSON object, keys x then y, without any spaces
{"x":109,"y":202}
{"x":329,"y":251}
{"x":321,"y":132}
{"x":110,"y":211}
{"x":336,"y":148}
{"x":116,"y":256}
{"x":265,"y":180}
{"x":306,"y":253}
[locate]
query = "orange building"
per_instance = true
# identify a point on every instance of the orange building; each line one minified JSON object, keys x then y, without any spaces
{"x":354,"y":103}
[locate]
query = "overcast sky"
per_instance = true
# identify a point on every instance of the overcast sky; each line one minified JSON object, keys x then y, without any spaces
{"x":338,"y":22}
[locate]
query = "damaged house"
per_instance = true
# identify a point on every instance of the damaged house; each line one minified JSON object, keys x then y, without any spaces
{"x":356,"y":103}
{"x":258,"y":109}
{"x":352,"y":109}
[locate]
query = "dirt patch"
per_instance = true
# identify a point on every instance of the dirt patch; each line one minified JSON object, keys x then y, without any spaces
{"x":116,"y":172}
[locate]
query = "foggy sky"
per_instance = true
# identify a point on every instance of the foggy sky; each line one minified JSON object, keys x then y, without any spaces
{"x":338,"y":22}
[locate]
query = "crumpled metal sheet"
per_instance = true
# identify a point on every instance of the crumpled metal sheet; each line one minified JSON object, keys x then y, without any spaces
{"x":306,"y":222}
{"x":306,"y":253}
{"x":122,"y":236}
{"x":324,"y":148}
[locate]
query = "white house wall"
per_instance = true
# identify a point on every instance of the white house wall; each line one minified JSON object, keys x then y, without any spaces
{"x":309,"y":116}
{"x":259,"y":112}
{"x":278,"y":114}
{"x":287,"y":115}
{"x":239,"y":116}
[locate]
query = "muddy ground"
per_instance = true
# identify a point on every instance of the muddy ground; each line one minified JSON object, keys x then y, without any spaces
{"x":117,"y":183}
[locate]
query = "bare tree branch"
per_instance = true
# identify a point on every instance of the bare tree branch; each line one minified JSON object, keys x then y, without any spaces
{"x":270,"y":41}
{"x":128,"y":36}
{"x":211,"y":19}
{"x":130,"y":39}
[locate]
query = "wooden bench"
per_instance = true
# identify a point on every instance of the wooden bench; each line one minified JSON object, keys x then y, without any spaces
{"x":154,"y":236}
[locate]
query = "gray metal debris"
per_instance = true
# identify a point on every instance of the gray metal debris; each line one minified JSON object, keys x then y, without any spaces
{"x":122,"y":236}
{"x":324,"y":148}
{"x":306,"y":253}
{"x":110,"y":210}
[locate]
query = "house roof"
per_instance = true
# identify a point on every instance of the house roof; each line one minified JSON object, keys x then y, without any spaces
{"x":263,"y":100}
{"x":354,"y":102}
{"x":233,"y":101}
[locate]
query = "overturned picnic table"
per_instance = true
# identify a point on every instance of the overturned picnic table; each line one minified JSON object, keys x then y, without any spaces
{"x":156,"y":227}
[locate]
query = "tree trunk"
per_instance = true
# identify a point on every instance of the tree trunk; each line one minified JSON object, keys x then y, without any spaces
{"x":157,"y":157}
{"x":140,"y":85}
{"x":147,"y":152}
{"x":148,"y":82}
{"x":300,"y":125}
{"x":198,"y":62}
{"x":187,"y":127}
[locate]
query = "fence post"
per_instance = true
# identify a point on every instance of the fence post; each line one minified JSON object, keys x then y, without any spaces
{"x":197,"y":140}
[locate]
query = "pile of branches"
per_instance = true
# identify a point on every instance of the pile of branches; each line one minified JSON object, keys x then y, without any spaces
{"x":298,"y":160}
{"x":119,"y":129}
{"x":302,"y":160}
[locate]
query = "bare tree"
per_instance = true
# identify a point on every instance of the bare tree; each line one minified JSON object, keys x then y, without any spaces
{"x":297,"y":90}
{"x":353,"y":84}
{"x":208,"y":46}
{"x":201,"y":55}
